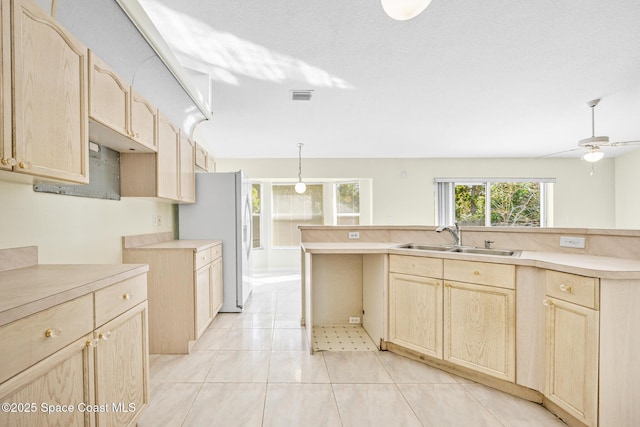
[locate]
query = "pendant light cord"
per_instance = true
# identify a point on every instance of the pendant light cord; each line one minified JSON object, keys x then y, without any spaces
{"x":300,"y":162}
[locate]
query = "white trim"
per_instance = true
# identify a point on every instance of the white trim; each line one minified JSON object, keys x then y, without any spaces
{"x":141,"y":20}
{"x":492,"y":180}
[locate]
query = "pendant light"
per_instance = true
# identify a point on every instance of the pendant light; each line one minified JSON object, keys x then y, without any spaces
{"x":402,"y":10}
{"x":300,"y":186}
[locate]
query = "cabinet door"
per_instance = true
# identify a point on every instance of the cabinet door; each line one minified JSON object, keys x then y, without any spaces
{"x":6,"y":150}
{"x":50,"y":99}
{"x":144,"y":121}
{"x":187,"y":169}
{"x":122,"y":367}
{"x":216,"y":285}
{"x":108,"y":96}
{"x":479,"y":328}
{"x":203,"y":299}
{"x":201,"y":158}
{"x":415,"y":313}
{"x":167,"y":160}
{"x":572,"y":358}
{"x":65,"y":378}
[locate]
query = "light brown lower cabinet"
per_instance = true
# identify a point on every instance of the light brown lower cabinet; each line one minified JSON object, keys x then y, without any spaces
{"x":415,"y":313}
{"x":185,"y":286}
{"x":52,"y":392}
{"x":121,"y":367}
{"x":572,"y":344}
{"x":479,"y":328}
{"x":100,"y":378}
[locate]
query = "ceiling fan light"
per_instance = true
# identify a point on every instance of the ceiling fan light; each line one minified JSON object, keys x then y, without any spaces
{"x":593,"y":155}
{"x":403,"y":10}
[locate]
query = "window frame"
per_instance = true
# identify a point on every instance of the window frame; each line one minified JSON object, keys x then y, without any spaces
{"x":336,"y":214}
{"x":273,"y":246}
{"x":260,"y":216}
{"x":445,"y":197}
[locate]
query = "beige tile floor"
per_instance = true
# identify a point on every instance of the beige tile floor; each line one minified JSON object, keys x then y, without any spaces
{"x":254,"y":369}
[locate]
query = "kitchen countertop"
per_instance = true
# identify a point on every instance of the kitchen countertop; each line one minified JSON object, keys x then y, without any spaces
{"x":27,"y":290}
{"x":586,"y":265}
{"x":179,"y":244}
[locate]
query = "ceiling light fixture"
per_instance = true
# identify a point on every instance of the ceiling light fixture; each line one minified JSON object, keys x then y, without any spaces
{"x":300,"y":186}
{"x":402,"y":10}
{"x":593,"y":155}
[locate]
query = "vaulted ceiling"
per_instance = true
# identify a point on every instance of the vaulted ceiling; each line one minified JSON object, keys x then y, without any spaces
{"x":492,"y":78}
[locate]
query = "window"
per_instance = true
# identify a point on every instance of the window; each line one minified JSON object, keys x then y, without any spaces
{"x":347,"y":198}
{"x":291,"y":209}
{"x":256,"y":215}
{"x":493,"y":203}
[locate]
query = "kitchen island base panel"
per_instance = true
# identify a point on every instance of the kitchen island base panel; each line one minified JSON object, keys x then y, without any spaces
{"x":487,"y":380}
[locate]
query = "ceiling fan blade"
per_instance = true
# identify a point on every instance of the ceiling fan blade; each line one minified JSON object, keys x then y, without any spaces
{"x":560,"y":152}
{"x":620,"y":143}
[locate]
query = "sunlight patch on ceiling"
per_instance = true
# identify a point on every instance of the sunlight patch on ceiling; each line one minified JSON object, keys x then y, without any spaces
{"x":225,"y":56}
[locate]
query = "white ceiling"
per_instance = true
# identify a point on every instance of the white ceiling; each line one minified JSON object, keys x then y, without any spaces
{"x":492,"y":78}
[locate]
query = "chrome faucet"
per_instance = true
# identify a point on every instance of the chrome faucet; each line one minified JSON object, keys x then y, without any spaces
{"x":455,"y":233}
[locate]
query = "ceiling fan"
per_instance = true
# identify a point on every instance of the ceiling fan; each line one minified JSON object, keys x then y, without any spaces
{"x":593,"y":144}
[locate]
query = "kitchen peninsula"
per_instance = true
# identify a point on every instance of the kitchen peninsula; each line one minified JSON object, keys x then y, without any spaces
{"x":550,"y":324}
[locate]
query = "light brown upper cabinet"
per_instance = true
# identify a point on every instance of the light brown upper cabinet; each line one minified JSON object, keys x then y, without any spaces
{"x":187,"y":169}
{"x":168,"y":161}
{"x":120,"y":118}
{"x":6,"y":152}
{"x":202,"y":158}
{"x":168,"y":174}
{"x":50,"y":113}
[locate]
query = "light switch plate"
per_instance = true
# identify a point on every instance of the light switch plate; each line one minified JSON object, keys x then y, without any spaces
{"x":354,"y":235}
{"x":572,"y":242}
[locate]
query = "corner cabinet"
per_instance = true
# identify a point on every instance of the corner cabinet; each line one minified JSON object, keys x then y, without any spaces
{"x":62,"y":357}
{"x":572,"y":344}
{"x":50,"y":92}
{"x":185,"y":290}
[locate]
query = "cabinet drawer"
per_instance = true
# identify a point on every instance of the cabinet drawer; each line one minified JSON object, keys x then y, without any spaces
{"x":482,"y":273}
{"x":31,"y":339}
{"x":418,"y":266}
{"x":202,"y":258}
{"x":116,"y":299}
{"x":581,"y":290}
{"x":216,"y":251}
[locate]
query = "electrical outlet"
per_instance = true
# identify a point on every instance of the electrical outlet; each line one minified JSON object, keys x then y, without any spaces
{"x":572,"y":242}
{"x":354,"y":320}
{"x":156,"y":220}
{"x":354,"y":235}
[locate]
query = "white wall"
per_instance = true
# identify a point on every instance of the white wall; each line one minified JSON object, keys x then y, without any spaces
{"x":627,"y":192}
{"x":70,"y":229}
{"x":404,"y":193}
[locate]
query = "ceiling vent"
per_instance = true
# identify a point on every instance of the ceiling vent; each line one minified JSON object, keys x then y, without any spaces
{"x":301,"y":95}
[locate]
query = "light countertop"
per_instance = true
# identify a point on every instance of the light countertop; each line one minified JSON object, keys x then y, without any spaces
{"x":587,"y":265}
{"x":27,"y":290}
{"x":180,"y":244}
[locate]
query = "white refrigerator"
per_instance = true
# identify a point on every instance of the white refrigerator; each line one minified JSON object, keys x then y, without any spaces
{"x":223,"y":212}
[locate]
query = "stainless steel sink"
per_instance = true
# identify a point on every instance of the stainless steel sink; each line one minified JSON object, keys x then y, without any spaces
{"x":459,"y":249}
{"x":483,"y":251}
{"x":426,"y":247}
